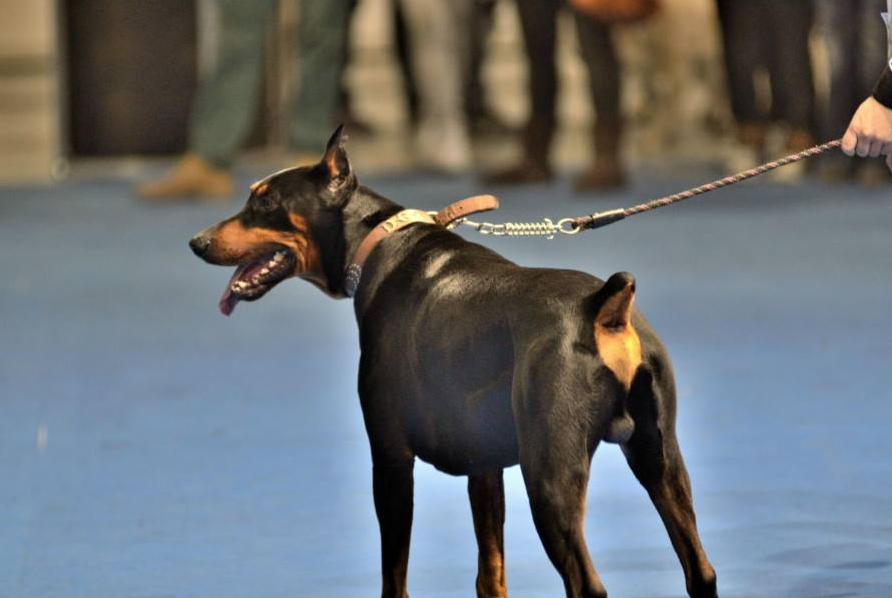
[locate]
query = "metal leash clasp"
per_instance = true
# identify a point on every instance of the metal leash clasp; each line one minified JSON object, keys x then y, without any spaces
{"x":563,"y":224}
{"x":496,"y":230}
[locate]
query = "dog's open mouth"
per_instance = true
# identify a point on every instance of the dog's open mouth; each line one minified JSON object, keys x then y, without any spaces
{"x":253,"y":280}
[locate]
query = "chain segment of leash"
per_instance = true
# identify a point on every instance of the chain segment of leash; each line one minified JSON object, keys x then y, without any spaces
{"x":545,"y":228}
{"x":571,"y":226}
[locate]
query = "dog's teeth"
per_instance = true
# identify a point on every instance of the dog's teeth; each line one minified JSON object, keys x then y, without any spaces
{"x":279,"y":256}
{"x":265,"y":271}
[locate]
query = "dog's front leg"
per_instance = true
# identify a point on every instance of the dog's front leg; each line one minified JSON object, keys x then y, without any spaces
{"x":393,"y":488}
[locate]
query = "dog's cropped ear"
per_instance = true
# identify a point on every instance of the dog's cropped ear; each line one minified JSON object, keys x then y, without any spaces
{"x":335,"y":161}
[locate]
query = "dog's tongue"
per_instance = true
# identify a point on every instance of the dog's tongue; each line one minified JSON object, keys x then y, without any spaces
{"x":229,"y":299}
{"x":228,"y":302}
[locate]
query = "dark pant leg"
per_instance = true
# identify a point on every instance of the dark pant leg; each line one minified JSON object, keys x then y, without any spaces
{"x":480,"y":25}
{"x":404,"y":59}
{"x":538,"y":20}
{"x":744,"y":54}
{"x":789,"y":66}
{"x":599,"y":55}
{"x":839,"y":28}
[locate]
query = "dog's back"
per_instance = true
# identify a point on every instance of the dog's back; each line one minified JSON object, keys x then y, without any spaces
{"x":454,"y":333}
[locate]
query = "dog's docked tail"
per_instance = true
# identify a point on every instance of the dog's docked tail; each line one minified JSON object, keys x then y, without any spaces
{"x":618,"y":345}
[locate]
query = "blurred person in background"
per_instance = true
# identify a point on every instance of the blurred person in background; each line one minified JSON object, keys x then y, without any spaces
{"x":439,"y":61}
{"x":538,"y":20}
{"x":478,"y":115}
{"x":404,"y":61}
{"x":345,"y":114}
{"x":227,"y":98}
{"x":481,"y":118}
{"x":774,"y":35}
{"x":856,"y":44}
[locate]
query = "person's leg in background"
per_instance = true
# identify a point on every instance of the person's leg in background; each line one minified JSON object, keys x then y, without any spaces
{"x":404,"y":60}
{"x":789,"y":24}
{"x":538,"y":20}
{"x":224,"y":107}
{"x":436,"y":33}
{"x":744,"y":55}
{"x":322,"y":47}
{"x":840,"y":31}
{"x":345,"y":112}
{"x":479,"y":115}
{"x":599,"y":54}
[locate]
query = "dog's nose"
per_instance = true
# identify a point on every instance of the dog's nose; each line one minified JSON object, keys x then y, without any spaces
{"x":200,"y":245}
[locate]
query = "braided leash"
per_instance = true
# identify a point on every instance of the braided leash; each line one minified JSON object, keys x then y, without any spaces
{"x":571,"y":226}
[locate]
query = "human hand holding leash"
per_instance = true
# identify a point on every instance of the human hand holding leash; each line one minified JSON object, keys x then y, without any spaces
{"x":870,"y":132}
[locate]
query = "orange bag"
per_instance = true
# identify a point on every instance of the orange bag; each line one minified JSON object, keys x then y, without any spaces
{"x":617,"y":11}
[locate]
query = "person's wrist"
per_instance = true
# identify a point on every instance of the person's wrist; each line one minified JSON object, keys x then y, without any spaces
{"x":882,"y":92}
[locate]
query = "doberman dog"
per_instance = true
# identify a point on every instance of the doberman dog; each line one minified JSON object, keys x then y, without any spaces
{"x":473,"y":364}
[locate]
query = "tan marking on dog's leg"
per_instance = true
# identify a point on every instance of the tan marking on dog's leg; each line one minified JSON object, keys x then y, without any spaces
{"x":487,"y":494}
{"x":615,"y":337}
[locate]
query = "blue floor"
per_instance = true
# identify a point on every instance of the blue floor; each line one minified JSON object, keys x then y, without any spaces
{"x":150,"y":447}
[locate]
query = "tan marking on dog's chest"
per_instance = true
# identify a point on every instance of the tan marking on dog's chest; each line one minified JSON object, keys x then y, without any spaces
{"x":615,"y":337}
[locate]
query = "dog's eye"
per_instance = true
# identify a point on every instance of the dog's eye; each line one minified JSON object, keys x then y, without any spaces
{"x":266,"y":203}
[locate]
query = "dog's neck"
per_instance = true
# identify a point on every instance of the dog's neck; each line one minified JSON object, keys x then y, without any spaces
{"x":361,"y":213}
{"x":365,"y":210}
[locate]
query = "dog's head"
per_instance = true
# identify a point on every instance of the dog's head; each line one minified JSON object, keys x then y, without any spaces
{"x":289,"y":215}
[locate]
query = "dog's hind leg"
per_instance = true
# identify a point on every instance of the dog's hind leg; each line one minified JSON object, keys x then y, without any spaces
{"x":556,"y":489}
{"x":487,"y":494}
{"x":653,"y":454}
{"x":393,"y":489}
{"x":557,"y":436}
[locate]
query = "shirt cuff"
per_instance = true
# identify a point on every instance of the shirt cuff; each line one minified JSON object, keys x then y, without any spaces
{"x":882,"y":92}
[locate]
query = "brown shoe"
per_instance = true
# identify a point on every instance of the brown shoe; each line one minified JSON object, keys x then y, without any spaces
{"x":796,"y":141}
{"x":603,"y":176}
{"x":192,"y":177}
{"x":528,"y":171}
{"x":799,"y":140}
{"x":534,"y":166}
{"x":606,"y":171}
{"x":752,"y":135}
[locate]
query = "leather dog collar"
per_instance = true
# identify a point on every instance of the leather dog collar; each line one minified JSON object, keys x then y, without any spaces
{"x":402,"y":219}
{"x":466,"y":207}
